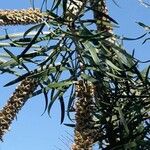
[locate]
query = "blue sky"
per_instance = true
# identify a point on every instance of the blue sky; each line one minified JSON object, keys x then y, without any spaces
{"x":36,"y":132}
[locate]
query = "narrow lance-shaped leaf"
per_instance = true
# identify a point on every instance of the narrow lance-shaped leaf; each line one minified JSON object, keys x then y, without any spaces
{"x":32,"y":41}
{"x":56,"y":5}
{"x":122,"y":119}
{"x":63,"y":87}
{"x":93,"y":51}
{"x":45,"y":97}
{"x":62,"y":106}
{"x":70,"y":102}
{"x":113,"y":66}
{"x":35,"y":27}
{"x":12,"y":55}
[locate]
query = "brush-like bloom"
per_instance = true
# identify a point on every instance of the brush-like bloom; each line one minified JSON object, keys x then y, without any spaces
{"x":15,"y":103}
{"x":22,"y":17}
{"x":85,"y":133}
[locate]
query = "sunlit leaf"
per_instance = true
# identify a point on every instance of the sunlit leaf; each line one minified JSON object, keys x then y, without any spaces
{"x":88,"y":78}
{"x":108,"y":62}
{"x":93,"y":51}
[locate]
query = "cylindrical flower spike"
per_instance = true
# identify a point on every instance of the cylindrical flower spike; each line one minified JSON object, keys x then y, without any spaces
{"x":22,"y":17}
{"x":85,"y":133}
{"x":101,"y":15}
{"x":15,"y":103}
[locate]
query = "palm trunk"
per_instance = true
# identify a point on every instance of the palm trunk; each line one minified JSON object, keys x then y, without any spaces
{"x":15,"y":103}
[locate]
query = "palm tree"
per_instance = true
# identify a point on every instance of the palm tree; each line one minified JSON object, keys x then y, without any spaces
{"x":108,"y":93}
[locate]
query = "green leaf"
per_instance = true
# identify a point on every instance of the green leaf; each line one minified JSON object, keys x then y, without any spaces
{"x":147,"y":75}
{"x":146,"y":27}
{"x":35,"y":27}
{"x":62,"y":89}
{"x":124,"y":57}
{"x":145,"y":40}
{"x":11,"y":55}
{"x":64,"y":6}
{"x":33,"y":40}
{"x":45,"y":71}
{"x":130,"y":146}
{"x":11,"y":63}
{"x":69,"y":125}
{"x":62,"y":106}
{"x":56,"y":5}
{"x":45,"y":97}
{"x":109,"y":63}
{"x":17,"y":80}
{"x":131,"y":39}
{"x":60,"y":84}
{"x":70,"y":101}
{"x":122,"y":119}
{"x":113,"y":75}
{"x":57,"y":95}
{"x":7,"y":70}
{"x":93,"y":51}
{"x":88,"y":78}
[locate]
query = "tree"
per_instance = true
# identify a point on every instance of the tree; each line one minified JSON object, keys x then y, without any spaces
{"x":108,"y":93}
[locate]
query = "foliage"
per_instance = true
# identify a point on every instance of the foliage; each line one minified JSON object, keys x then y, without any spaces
{"x":60,"y":53}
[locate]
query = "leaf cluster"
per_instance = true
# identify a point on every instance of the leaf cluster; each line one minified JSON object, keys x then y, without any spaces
{"x":60,"y":53}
